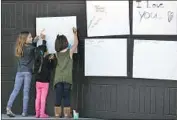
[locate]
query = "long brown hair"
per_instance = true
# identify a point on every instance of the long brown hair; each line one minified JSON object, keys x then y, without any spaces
{"x":21,"y":40}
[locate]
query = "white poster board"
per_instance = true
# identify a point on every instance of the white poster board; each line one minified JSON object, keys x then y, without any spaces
{"x":155,"y":59}
{"x":155,"y":17}
{"x":106,"y":18}
{"x":54,"y":26}
{"x":106,"y":57}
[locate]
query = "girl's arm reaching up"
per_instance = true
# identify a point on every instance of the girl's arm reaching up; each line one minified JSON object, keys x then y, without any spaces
{"x":74,"y":46}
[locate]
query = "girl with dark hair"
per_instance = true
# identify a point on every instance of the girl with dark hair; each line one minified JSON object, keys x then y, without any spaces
{"x":63,"y":73}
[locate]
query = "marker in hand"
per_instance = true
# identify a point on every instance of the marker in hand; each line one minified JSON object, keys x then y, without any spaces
{"x":74,"y":30}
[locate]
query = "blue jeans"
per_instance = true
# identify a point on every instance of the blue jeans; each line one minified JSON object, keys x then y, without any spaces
{"x":19,"y":79}
{"x":63,"y":91}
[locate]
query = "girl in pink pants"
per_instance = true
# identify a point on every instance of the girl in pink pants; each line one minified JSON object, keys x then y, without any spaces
{"x":41,"y":95}
{"x":43,"y":66}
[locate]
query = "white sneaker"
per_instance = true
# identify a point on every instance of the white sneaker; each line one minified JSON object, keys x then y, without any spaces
{"x":24,"y":115}
{"x":9,"y":112}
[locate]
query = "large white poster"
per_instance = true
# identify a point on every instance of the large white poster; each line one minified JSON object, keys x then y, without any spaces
{"x":106,"y":57}
{"x":154,"y":17}
{"x":54,"y":26}
{"x":155,"y":59}
{"x":106,"y":18}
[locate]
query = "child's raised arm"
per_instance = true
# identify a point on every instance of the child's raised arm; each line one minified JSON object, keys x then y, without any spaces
{"x":74,"y":46}
{"x":42,"y":36}
{"x":42,"y":47}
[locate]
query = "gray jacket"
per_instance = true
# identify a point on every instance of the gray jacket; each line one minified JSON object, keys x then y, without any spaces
{"x":25,"y":63}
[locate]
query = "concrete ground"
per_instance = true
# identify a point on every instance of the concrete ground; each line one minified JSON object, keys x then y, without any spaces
{"x":5,"y":117}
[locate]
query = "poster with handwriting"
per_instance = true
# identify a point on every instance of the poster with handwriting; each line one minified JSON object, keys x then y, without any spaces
{"x":154,"y":59}
{"x":54,"y":26}
{"x":106,"y":57}
{"x":105,"y":18}
{"x":154,"y":17}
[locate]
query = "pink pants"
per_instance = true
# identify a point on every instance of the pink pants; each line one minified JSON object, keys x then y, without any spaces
{"x":41,"y":95}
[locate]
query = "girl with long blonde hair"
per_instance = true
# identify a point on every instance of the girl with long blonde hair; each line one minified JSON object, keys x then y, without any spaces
{"x":24,"y":51}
